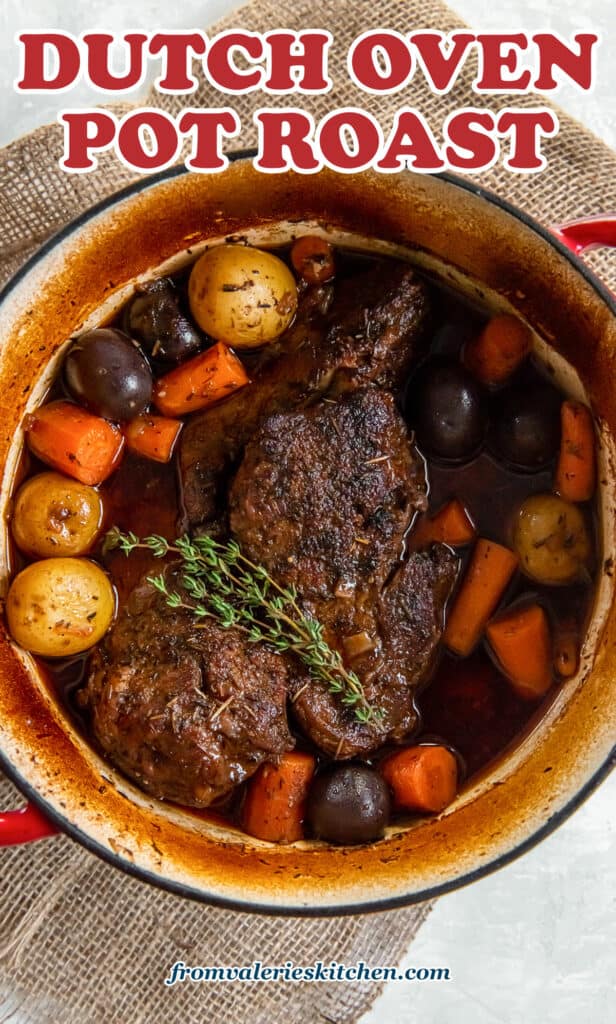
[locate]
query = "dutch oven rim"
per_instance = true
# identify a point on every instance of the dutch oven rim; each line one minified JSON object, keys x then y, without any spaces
{"x":371,"y":906}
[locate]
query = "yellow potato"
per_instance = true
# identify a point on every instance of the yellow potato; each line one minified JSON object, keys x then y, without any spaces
{"x":60,"y":606}
{"x":242,"y":296}
{"x":552,"y":540}
{"x":54,"y":515}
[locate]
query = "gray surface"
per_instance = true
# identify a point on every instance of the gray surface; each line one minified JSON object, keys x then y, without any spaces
{"x":534,"y":942}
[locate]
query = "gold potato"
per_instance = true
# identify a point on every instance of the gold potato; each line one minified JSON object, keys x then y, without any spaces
{"x":242,"y":296}
{"x":56,"y":516}
{"x":60,"y":606}
{"x":552,"y":540}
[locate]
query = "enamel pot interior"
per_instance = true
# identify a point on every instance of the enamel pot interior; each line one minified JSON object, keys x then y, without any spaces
{"x":467,"y":240}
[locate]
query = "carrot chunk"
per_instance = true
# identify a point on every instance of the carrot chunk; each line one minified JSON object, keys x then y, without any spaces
{"x":451,"y":525}
{"x":488,"y":573}
{"x":422,"y":778}
{"x":576,"y":473}
{"x":521,"y":641}
{"x":495,"y":354}
{"x":153,"y":436}
{"x":75,"y":442}
{"x":275,"y":801}
{"x":209,"y":377}
{"x":313,"y":259}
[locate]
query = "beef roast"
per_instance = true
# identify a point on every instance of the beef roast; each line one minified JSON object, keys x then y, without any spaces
{"x":372,"y":331}
{"x":323,"y":499}
{"x":187,"y":710}
{"x":327,"y":489}
{"x":407,"y":623}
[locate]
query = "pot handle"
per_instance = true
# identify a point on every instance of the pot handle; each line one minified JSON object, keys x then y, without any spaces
{"x":24,"y":825}
{"x":588,"y":232}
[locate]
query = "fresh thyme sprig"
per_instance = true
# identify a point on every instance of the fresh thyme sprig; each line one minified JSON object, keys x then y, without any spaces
{"x":223,"y":584}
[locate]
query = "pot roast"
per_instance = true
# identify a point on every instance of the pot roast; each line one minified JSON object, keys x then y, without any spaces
{"x":370,"y":329}
{"x":323,"y":499}
{"x":312,"y":469}
{"x":188,"y":712}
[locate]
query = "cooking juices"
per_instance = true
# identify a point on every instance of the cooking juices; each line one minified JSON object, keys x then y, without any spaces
{"x":488,"y":447}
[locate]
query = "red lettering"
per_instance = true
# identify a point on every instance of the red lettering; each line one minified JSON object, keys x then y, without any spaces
{"x":441,"y":69}
{"x":148,"y":140}
{"x":221,"y":69}
{"x":469,"y":131}
{"x":38,"y":49}
{"x":85,"y":131}
{"x":349,"y":139}
{"x":410,"y":144}
{"x":285,"y":141}
{"x":98,"y":44}
{"x":177,"y":49}
{"x":380,"y":62}
{"x":305,"y":51}
{"x":209,"y":125}
{"x":497,"y":54}
{"x":526,"y":128}
{"x":554,"y":53}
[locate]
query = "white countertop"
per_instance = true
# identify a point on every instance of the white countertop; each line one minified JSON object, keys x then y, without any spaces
{"x":534,"y":942}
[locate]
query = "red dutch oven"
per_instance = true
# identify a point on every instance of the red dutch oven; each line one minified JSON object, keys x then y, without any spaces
{"x":486,"y":249}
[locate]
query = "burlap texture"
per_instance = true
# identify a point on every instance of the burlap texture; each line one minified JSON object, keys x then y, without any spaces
{"x":78,"y":940}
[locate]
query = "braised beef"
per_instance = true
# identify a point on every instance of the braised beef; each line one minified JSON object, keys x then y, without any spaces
{"x":187,"y":710}
{"x":391,"y":673}
{"x":328,"y":486}
{"x":370,"y":332}
{"x":314,"y":472}
{"x":323,"y":498}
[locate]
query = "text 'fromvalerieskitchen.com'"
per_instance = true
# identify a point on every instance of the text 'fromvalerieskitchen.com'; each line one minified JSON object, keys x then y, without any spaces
{"x":291,"y":972}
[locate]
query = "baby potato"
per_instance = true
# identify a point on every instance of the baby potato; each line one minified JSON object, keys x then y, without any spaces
{"x":60,"y":606}
{"x":54,"y":515}
{"x":242,"y":296}
{"x":552,"y":540}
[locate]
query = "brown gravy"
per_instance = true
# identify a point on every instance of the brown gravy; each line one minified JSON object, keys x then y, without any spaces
{"x":468,"y":703}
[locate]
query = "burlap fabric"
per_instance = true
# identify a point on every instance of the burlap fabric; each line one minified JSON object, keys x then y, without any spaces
{"x":78,"y":940}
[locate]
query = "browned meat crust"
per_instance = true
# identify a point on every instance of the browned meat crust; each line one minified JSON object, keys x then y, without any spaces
{"x":187,"y":711}
{"x":323,"y":499}
{"x":371,"y":333}
{"x":408,"y":621}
